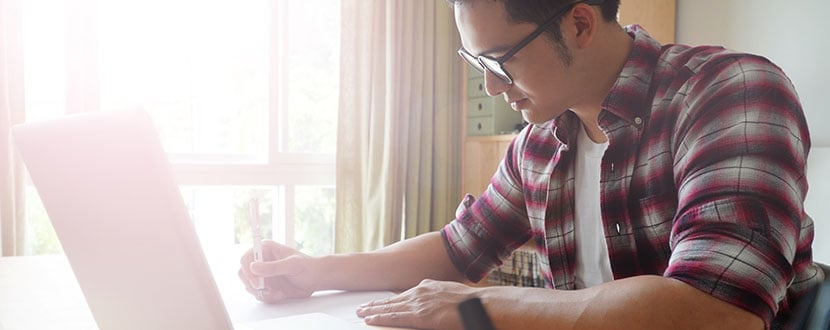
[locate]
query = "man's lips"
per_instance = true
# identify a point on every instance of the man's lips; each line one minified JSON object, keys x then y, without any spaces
{"x":517,"y":104}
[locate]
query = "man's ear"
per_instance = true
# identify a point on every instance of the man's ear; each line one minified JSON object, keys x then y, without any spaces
{"x":583,"y":21}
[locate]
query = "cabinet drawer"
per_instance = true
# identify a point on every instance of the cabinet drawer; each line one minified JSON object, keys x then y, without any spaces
{"x":480,"y":126}
{"x":475,"y":88}
{"x":480,"y":106}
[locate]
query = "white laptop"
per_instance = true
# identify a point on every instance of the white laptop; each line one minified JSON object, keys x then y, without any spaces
{"x":113,"y":201}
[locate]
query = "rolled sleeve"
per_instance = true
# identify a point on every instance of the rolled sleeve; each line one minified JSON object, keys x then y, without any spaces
{"x":740,"y":168}
{"x":487,"y":230}
{"x":729,"y":260}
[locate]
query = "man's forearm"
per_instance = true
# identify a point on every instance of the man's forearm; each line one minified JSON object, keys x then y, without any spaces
{"x":633,"y":303}
{"x":396,"y":267}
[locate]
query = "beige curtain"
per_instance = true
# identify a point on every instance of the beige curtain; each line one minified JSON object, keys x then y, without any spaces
{"x":12,"y":221}
{"x":398,"y":135}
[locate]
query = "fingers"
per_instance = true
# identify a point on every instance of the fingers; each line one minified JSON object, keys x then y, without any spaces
{"x":251,"y":280}
{"x":394,"y":319}
{"x":403,"y":314}
{"x":284,"y":267}
{"x":430,"y":305}
{"x":275,"y":251}
{"x":244,"y":278}
{"x":387,"y":312}
{"x":248,"y":278}
{"x":376,"y":308}
{"x":271,"y":294}
{"x":386,"y":301}
{"x":271,"y":251}
{"x":245,"y":264}
{"x":277,"y":285}
{"x":282,"y":272}
{"x":275,"y":265}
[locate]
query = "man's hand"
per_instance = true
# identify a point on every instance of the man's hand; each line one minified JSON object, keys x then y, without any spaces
{"x":429,"y":305}
{"x":285,"y":272}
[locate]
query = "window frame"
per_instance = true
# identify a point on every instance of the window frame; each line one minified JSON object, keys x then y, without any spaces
{"x":285,"y":170}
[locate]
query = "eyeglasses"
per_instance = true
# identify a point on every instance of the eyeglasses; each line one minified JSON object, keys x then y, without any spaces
{"x":495,"y":65}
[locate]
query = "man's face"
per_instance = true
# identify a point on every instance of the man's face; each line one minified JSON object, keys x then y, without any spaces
{"x":540,"y":89}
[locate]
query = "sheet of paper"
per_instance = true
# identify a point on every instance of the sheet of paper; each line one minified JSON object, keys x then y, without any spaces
{"x":341,"y":305}
{"x":312,"y":321}
{"x":243,"y":308}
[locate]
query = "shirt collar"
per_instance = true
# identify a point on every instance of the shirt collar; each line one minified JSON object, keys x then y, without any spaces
{"x":629,"y":96}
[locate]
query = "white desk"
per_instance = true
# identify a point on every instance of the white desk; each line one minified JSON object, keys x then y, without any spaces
{"x":40,"y":292}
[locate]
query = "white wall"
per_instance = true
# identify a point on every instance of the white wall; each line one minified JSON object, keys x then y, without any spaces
{"x":818,"y":201}
{"x":791,"y":33}
{"x":795,"y":34}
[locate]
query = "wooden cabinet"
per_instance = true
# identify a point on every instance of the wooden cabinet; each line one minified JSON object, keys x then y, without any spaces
{"x":656,"y":16}
{"x":482,"y":154}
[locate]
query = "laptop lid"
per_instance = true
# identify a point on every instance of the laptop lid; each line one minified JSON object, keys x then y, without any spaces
{"x":110,"y":193}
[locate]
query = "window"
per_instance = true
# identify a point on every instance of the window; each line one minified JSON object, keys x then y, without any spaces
{"x":244,"y":95}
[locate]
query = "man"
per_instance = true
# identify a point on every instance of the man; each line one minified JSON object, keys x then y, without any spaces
{"x":689,"y":162}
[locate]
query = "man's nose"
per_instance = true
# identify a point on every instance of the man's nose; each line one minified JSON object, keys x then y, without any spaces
{"x":494,"y":85}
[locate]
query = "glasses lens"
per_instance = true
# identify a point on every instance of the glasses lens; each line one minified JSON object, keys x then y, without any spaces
{"x":471,"y":60}
{"x":495,"y":67}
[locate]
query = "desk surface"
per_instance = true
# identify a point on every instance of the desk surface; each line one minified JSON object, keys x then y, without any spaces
{"x":40,"y":292}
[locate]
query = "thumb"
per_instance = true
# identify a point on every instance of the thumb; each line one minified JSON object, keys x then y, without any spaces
{"x":289,"y":266}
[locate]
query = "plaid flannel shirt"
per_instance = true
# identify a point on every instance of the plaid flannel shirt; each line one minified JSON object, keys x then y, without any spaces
{"x":703,"y":181}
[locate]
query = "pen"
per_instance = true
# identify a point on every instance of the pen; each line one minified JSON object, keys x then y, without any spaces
{"x":256,"y":231}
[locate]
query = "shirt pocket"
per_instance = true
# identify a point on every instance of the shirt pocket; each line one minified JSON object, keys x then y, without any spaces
{"x":653,"y":234}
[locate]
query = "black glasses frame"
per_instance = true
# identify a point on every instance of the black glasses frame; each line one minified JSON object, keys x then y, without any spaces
{"x":495,"y":65}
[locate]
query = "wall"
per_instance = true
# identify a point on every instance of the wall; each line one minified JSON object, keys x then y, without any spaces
{"x":817,"y":201}
{"x":793,"y":34}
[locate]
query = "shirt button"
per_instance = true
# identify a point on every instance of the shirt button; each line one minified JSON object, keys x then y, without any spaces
{"x":638,"y":121}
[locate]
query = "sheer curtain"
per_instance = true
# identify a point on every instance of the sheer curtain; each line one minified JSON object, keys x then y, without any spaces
{"x":398,"y":140}
{"x":12,"y":220}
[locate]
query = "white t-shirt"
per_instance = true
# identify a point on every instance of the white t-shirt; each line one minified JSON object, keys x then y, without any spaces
{"x":592,"y":264}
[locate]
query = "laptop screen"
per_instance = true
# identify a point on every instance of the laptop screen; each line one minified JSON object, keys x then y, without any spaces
{"x":110,"y":193}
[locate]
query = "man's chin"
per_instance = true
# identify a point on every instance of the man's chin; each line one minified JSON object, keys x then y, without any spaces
{"x":536,"y":120}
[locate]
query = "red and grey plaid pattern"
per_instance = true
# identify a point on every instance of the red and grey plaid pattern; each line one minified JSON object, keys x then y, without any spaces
{"x":703,"y":181}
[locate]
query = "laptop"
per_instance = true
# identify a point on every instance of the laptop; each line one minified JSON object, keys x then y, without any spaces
{"x":110,"y":194}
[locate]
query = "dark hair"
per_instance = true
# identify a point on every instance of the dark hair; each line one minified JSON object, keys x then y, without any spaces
{"x":538,"y":11}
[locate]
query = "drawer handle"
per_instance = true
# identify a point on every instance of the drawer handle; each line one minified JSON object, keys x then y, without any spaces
{"x":479,"y":126}
{"x":480,"y":106}
{"x":480,"y":87}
